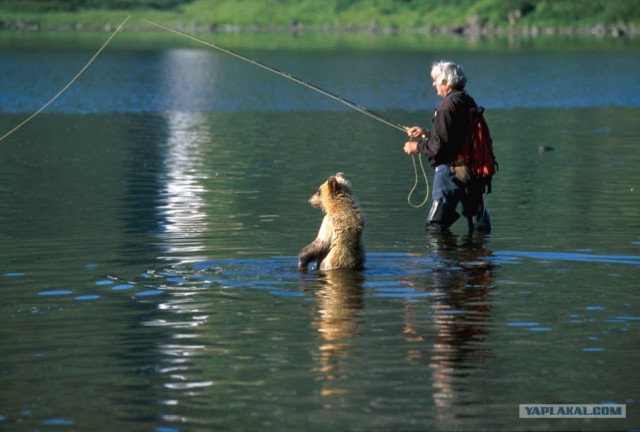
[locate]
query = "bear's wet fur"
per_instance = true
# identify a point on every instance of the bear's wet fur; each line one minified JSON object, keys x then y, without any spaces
{"x":340,"y":240}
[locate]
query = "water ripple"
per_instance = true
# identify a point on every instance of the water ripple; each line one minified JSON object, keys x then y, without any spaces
{"x":568,"y":256}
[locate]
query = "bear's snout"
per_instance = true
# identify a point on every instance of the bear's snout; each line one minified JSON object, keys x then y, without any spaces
{"x":315,"y":201}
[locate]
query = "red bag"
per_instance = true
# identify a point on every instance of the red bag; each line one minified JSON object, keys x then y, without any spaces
{"x":477,"y":151}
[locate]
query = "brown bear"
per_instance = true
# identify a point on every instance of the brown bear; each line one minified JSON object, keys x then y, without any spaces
{"x":339,"y":244}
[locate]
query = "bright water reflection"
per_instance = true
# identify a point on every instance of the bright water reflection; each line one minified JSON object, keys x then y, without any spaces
{"x":147,"y":251}
{"x":184,"y":201}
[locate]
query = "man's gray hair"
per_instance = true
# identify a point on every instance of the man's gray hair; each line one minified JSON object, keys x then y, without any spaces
{"x":449,"y":73}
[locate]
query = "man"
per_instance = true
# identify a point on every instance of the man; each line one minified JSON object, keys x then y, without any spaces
{"x":453,"y":183}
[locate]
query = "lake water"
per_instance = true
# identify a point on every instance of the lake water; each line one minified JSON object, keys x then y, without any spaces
{"x":151,"y":219}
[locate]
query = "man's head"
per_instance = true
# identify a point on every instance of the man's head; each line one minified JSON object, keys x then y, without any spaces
{"x":447,"y":76}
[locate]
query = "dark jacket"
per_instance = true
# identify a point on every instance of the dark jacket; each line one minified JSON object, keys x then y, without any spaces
{"x":449,"y":130}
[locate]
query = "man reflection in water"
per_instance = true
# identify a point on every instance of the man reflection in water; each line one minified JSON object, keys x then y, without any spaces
{"x":453,"y":339}
{"x":442,"y":144}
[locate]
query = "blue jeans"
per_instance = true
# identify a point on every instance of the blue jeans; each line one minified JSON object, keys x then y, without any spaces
{"x":448,"y":191}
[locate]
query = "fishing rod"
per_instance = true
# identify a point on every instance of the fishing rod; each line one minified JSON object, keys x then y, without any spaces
{"x":288,"y":76}
{"x":314,"y":87}
{"x":342,"y":100}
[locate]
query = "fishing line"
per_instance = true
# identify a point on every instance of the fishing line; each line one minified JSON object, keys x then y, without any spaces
{"x":69,"y":84}
{"x":320,"y":90}
{"x":415,"y":184}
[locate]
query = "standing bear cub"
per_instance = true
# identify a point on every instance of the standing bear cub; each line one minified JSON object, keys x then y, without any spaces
{"x":339,"y":244}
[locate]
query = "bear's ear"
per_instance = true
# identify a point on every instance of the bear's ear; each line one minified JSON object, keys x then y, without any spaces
{"x":332,"y":184}
{"x":343,"y":180}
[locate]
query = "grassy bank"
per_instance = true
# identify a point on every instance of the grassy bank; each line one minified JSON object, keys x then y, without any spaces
{"x":469,"y":17}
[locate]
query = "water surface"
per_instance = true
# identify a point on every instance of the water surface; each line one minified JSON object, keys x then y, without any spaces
{"x":151,"y":219}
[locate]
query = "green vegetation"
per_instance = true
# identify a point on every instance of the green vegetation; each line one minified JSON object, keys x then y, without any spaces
{"x":433,"y":16}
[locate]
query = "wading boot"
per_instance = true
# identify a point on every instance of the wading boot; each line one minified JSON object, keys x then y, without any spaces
{"x":481,"y":222}
{"x":441,"y":217}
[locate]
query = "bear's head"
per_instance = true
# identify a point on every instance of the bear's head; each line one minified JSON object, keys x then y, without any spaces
{"x":335,"y":187}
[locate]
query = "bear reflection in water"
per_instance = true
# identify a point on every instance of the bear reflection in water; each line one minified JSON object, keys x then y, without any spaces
{"x":339,"y":300}
{"x":339,"y":244}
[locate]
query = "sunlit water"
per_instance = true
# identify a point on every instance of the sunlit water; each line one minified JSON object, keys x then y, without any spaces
{"x":151,"y":218}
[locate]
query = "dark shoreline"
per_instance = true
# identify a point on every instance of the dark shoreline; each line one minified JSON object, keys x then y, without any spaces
{"x":469,"y":29}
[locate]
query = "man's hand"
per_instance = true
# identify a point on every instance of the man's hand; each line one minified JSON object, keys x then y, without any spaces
{"x":416,"y":131}
{"x":411,"y":147}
